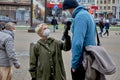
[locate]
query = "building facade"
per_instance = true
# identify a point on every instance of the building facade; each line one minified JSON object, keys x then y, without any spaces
{"x":16,"y":9}
{"x":110,"y":8}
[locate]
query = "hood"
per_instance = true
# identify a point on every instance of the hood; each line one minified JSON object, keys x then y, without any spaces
{"x":49,"y":41}
{"x":79,"y":8}
{"x":9,"y":32}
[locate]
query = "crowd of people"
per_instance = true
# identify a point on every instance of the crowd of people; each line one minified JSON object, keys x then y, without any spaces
{"x":46,"y":62}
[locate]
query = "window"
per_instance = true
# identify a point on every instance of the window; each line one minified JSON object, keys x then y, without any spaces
{"x":113,"y":1}
{"x":104,"y":1}
{"x":100,"y":7}
{"x":100,"y":2}
{"x":108,"y":7}
{"x":109,"y":1}
{"x":105,"y":7}
{"x":97,"y":2}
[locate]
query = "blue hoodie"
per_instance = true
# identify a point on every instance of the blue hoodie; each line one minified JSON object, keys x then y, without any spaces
{"x":84,"y":34}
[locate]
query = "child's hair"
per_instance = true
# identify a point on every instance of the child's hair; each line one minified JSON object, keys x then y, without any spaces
{"x":39,"y":27}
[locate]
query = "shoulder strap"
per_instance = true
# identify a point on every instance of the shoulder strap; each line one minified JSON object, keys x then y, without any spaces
{"x":98,"y":40}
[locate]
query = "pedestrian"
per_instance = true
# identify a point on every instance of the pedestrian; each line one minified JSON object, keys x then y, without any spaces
{"x":83,"y":34}
{"x":3,"y":25}
{"x":46,"y":61}
{"x":9,"y":29}
{"x":107,"y":25}
{"x":101,"y":26}
{"x":7,"y":56}
{"x":54,"y":23}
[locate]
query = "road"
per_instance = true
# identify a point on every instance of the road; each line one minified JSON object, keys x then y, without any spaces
{"x":22,"y":45}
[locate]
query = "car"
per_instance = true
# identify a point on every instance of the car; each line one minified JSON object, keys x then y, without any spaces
{"x":7,"y":19}
{"x":118,"y":22}
{"x":113,"y":21}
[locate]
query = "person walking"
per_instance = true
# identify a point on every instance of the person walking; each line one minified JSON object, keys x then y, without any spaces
{"x":83,"y":34}
{"x":101,"y":26}
{"x":7,"y":56}
{"x":3,"y":25}
{"x":107,"y":25}
{"x":54,"y":23}
{"x":46,"y":61}
{"x":9,"y":29}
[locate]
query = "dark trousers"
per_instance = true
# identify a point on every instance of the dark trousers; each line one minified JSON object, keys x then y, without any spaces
{"x":106,"y":32}
{"x":79,"y":73}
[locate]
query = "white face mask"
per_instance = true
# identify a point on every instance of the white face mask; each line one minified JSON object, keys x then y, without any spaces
{"x":46,"y":32}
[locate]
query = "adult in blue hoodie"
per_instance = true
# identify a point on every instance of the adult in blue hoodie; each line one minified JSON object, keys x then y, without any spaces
{"x":83,"y":34}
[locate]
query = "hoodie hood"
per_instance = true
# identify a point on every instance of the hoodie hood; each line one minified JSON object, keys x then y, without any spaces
{"x":79,"y":8}
{"x":43,"y":42}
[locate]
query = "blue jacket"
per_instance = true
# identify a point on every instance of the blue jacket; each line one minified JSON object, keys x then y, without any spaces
{"x":107,"y":25}
{"x":83,"y":30}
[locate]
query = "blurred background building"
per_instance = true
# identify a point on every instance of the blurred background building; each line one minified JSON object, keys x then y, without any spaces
{"x":16,"y":9}
{"x":20,"y":9}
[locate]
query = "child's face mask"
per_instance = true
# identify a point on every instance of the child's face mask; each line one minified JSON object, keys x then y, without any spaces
{"x":46,"y":32}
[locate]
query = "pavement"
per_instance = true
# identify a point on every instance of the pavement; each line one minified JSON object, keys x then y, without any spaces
{"x":22,"y":45}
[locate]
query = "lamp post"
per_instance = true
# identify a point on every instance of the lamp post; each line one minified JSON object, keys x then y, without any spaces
{"x":31,"y":29}
{"x":31,"y":15}
{"x":45,"y":11}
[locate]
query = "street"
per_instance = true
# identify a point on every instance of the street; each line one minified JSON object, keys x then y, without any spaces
{"x":22,"y":45}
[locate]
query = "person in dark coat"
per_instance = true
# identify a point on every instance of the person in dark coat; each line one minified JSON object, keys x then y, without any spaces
{"x":107,"y":25}
{"x":54,"y":23}
{"x":101,"y":26}
{"x":46,"y":61}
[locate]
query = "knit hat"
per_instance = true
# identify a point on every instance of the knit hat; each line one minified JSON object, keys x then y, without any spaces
{"x":67,"y":4}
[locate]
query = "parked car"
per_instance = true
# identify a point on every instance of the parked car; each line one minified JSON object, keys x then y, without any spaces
{"x":113,"y":21}
{"x":118,"y":22}
{"x":7,"y":19}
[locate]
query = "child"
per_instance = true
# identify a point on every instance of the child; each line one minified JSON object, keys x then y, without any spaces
{"x":46,"y":61}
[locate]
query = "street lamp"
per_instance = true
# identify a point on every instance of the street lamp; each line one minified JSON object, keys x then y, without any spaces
{"x":45,"y":10}
{"x":31,"y":15}
{"x":31,"y":29}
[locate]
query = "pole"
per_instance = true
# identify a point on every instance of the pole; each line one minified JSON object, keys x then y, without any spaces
{"x":45,"y":11}
{"x":31,"y":15}
{"x":32,"y":28}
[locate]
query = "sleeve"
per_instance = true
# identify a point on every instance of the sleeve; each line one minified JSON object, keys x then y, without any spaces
{"x":80,"y":27}
{"x":66,"y":45}
{"x":9,"y":46}
{"x":33,"y":60}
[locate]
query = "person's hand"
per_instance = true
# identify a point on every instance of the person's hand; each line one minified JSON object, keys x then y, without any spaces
{"x":17,"y":65}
